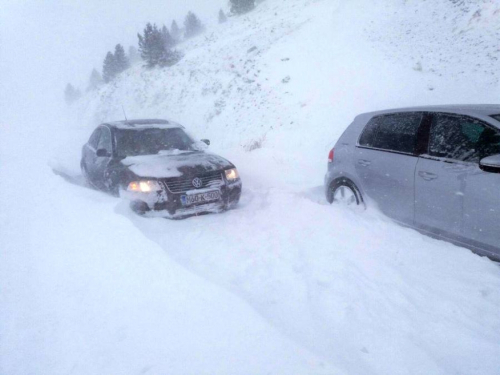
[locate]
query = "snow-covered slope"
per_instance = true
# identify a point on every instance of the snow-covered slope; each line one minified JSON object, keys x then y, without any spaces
{"x":285,"y":283}
{"x":455,"y":39}
{"x":296,"y":72}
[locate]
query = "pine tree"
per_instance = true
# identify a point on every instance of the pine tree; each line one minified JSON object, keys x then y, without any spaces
{"x":175,"y":32}
{"x":222,"y":17}
{"x":71,"y":94}
{"x":109,"y":68}
{"x":147,"y":46}
{"x":153,"y":48}
{"x":121,"y":61}
{"x":95,"y":80}
{"x":242,"y":6}
{"x":192,"y":25}
{"x":167,"y":38}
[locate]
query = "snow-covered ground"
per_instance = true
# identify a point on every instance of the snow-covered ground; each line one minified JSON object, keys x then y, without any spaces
{"x":285,"y":283}
{"x":84,"y":292}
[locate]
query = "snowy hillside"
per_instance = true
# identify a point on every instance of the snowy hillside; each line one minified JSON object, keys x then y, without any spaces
{"x":456,"y":39}
{"x":291,"y":68}
{"x":285,"y":283}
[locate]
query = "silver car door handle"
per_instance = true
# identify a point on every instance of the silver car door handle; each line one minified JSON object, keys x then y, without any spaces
{"x":364,"y":163}
{"x":427,"y":176}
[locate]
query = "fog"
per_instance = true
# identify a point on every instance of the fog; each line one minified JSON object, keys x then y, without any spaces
{"x":46,"y":44}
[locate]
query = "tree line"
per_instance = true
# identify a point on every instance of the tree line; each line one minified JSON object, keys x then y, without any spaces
{"x":156,"y":48}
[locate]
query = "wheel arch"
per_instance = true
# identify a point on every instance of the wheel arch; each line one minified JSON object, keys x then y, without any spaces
{"x":345,"y":180}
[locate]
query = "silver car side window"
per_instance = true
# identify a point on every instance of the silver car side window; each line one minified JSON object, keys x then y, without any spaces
{"x":462,"y":138}
{"x":393,"y":132}
{"x":367,"y":138}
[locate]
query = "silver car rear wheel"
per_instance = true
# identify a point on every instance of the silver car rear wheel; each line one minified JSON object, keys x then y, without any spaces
{"x":345,"y":196}
{"x":345,"y":193}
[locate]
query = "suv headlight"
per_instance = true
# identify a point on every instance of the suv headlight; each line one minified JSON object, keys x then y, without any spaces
{"x":144,"y":186}
{"x":232,"y":174}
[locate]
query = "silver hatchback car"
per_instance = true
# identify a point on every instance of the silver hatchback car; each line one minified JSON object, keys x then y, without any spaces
{"x":436,"y":169}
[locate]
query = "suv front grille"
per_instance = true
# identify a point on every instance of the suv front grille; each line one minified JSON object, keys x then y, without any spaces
{"x":181,"y":185}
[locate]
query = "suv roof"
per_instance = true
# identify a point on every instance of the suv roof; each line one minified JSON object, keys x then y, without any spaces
{"x":464,"y":109}
{"x":143,"y":123}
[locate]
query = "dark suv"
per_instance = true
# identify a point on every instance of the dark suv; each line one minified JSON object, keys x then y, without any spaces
{"x":158,"y":167}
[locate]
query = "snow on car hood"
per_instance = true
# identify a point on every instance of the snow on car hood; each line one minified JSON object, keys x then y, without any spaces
{"x":174,"y":164}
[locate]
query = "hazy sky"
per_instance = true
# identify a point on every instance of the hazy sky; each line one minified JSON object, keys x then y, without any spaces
{"x":45,"y":44}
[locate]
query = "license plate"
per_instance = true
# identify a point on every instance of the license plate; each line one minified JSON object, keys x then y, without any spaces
{"x":209,"y":196}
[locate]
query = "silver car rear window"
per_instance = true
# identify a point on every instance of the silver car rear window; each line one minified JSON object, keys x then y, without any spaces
{"x":394,"y":132}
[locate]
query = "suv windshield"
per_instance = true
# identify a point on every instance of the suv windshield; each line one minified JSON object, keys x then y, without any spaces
{"x":133,"y":142}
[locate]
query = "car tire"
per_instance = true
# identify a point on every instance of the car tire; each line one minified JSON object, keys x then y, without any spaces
{"x":344,"y":192}
{"x":139,"y":207}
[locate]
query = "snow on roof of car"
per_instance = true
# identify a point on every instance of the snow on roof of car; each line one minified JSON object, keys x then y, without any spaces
{"x":142,"y":124}
{"x":464,"y":109}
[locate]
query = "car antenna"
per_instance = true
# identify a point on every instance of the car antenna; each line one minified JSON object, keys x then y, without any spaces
{"x":124,"y":114}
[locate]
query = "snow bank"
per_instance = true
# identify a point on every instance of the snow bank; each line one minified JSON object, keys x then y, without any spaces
{"x":358,"y":290}
{"x":82,"y":291}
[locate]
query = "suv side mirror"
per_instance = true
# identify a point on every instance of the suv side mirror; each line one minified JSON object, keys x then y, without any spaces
{"x":490,"y":164}
{"x":206,"y":141}
{"x":102,"y":153}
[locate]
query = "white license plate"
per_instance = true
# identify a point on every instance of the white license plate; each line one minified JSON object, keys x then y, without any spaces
{"x":209,"y":196}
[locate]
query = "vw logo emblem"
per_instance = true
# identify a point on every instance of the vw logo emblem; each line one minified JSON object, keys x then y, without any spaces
{"x":197,"y":183}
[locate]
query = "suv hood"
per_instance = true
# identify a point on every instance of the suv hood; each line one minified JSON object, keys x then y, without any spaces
{"x":178,"y":164}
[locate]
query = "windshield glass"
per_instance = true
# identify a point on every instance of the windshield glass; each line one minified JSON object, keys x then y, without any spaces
{"x":134,"y":142}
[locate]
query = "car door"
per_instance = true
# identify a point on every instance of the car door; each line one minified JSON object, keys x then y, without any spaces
{"x":101,"y":162}
{"x":385,"y":160}
{"x":89,"y":154}
{"x":441,"y":175}
{"x":482,"y":194}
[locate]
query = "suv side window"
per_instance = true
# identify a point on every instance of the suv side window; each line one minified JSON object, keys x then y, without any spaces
{"x":394,"y":132}
{"x":462,"y":138}
{"x":94,"y":138}
{"x":105,"y":140}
